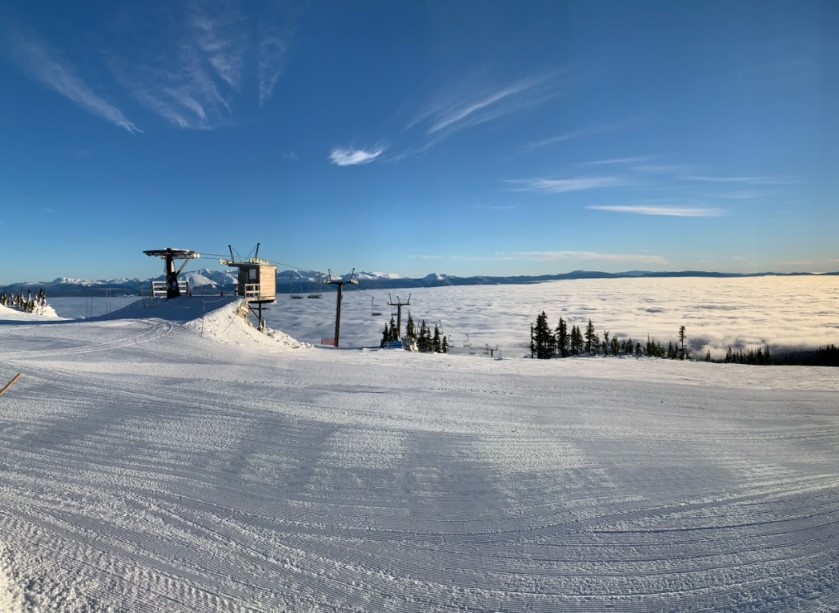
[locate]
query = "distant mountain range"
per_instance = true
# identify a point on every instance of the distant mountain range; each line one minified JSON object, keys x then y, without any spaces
{"x":298,"y":281}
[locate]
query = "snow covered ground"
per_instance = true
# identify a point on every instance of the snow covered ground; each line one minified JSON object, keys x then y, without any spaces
{"x":174,"y":459}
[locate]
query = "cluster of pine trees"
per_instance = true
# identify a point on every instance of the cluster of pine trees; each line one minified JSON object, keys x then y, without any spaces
{"x":756,"y":357}
{"x":547,"y":342}
{"x":423,"y":339}
{"x":823,"y":356}
{"x":27,"y":303}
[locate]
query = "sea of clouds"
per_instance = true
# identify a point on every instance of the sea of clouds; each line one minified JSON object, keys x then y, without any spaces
{"x":743,"y":313}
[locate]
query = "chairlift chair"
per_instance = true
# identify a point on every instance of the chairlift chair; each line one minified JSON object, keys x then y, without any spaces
{"x":375,"y":311}
{"x":314,"y":293}
{"x":295,"y":293}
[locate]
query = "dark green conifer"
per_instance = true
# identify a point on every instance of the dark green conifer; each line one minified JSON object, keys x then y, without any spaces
{"x":543,"y":341}
{"x":562,"y":338}
{"x":591,"y":338}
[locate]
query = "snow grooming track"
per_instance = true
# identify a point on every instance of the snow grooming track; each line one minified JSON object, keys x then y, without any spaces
{"x":184,"y":473}
{"x":118,"y":333}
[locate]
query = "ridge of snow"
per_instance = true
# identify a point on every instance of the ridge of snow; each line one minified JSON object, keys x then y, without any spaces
{"x":229,"y":324}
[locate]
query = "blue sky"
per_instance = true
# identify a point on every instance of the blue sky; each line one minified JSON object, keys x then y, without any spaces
{"x":409,"y":137}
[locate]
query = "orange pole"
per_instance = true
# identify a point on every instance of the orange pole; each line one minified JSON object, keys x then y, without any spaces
{"x":10,"y":384}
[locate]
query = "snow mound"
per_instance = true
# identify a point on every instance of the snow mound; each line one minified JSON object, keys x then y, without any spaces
{"x":230,"y":323}
{"x":40,"y":313}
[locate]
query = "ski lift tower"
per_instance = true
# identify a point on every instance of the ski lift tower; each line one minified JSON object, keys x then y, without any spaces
{"x":256,"y":282}
{"x":340,"y":283}
{"x":169,"y":256}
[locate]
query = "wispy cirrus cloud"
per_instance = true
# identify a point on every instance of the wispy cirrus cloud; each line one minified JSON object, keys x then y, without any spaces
{"x":198,"y":70}
{"x":471,"y":111}
{"x":185,"y":94}
{"x":197,"y":63}
{"x":572,"y":184}
{"x":575,"y":134}
{"x":739,"y":180}
{"x":271,"y":53}
{"x":221,"y":36}
{"x":275,"y":36}
{"x":354,"y":157}
{"x":194,"y":71}
{"x":662,"y":211}
{"x":472,"y":103}
{"x":43,"y":64}
{"x":634,"y":159}
{"x":588,"y":256}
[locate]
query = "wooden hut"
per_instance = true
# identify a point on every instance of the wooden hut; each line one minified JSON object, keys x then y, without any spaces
{"x":257,"y":280}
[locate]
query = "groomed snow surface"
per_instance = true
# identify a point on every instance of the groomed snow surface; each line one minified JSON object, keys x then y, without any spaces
{"x":171,"y":458}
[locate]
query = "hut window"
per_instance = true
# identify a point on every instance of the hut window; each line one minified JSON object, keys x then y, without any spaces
{"x":252,"y":274}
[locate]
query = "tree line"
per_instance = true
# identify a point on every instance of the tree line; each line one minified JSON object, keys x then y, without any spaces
{"x":547,"y":343}
{"x":423,"y":340}
{"x":27,"y":303}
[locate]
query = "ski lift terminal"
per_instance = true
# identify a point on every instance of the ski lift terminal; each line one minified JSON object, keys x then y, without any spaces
{"x":169,"y":256}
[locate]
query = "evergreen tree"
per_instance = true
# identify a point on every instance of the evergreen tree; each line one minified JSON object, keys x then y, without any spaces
{"x":424,"y":339}
{"x":590,"y":337}
{"x":394,"y":334}
{"x":385,"y":335}
{"x":410,"y":330}
{"x":615,"y":346}
{"x":576,"y":340}
{"x":543,"y":341}
{"x":708,"y":356}
{"x":445,"y":346}
{"x":682,"y":354}
{"x":436,"y":347}
{"x":562,"y":338}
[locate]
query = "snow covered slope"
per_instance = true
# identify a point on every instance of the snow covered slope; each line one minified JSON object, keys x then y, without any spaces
{"x":167,"y":459}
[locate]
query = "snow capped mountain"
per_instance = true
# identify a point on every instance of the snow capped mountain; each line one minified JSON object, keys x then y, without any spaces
{"x":69,"y":281}
{"x":308,"y":280}
{"x":196,"y":279}
{"x":369,"y":276}
{"x":435,"y":276}
{"x":204,"y":277}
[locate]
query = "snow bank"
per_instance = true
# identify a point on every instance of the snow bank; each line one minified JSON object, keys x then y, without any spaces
{"x":231,"y":323}
{"x":40,"y":313}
